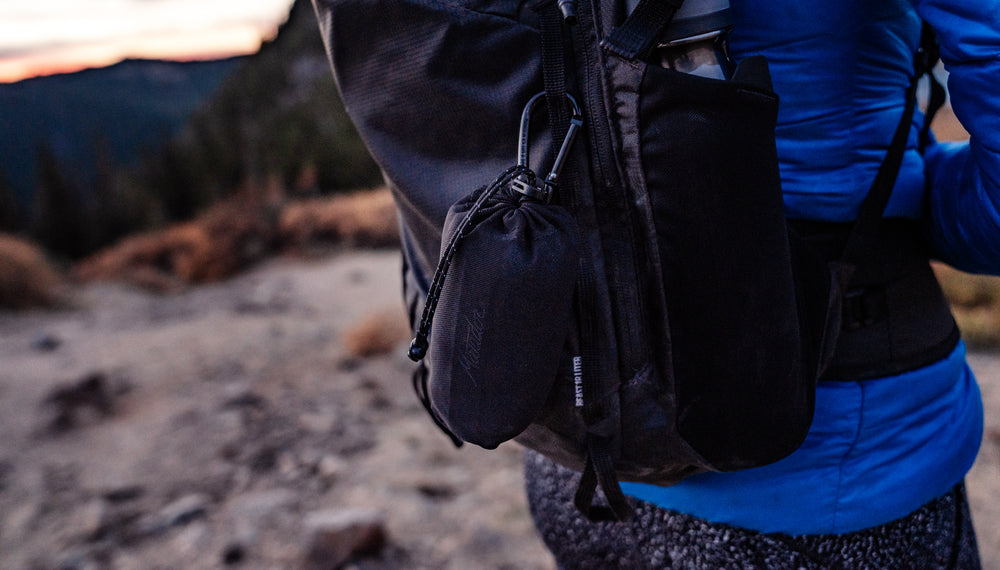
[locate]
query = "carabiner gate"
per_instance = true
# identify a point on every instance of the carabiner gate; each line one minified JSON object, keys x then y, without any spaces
{"x":527,"y":183}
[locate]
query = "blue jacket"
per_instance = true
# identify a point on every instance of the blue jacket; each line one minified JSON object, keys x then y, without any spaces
{"x":877,"y":449}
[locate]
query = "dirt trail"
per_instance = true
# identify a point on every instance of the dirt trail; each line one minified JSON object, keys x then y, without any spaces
{"x":216,"y":420}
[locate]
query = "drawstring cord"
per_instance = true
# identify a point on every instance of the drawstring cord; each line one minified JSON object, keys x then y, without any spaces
{"x":419,"y":344}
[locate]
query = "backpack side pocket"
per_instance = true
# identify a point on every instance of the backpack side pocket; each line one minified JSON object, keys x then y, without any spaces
{"x":744,"y":396}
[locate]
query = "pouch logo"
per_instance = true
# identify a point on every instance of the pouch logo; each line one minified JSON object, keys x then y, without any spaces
{"x":473,"y":336}
{"x":578,"y":380}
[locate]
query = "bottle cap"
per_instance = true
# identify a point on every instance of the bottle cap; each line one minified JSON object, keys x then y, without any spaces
{"x":697,"y":18}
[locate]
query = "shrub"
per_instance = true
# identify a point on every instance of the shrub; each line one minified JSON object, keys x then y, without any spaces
{"x":360,"y":219}
{"x":376,"y":334}
{"x":225,"y":239}
{"x":27,"y":279}
{"x":235,"y":233}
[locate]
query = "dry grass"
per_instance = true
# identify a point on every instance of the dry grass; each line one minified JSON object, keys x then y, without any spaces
{"x":227,"y":238}
{"x":975,"y":302}
{"x":27,"y":279}
{"x":234,"y":234}
{"x":376,"y":334}
{"x":145,"y":259}
{"x":360,"y":219}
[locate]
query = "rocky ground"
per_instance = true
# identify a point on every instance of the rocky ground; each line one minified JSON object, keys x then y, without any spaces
{"x":228,"y":426}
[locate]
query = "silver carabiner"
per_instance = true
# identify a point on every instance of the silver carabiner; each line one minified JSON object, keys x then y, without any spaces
{"x":527,"y":184}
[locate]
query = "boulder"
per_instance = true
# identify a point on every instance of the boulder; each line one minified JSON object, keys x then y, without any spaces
{"x":334,"y":537}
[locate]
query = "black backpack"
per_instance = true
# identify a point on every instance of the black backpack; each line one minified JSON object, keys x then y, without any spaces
{"x":637,"y":307}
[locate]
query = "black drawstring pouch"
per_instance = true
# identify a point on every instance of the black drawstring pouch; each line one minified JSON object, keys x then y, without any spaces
{"x":499,"y":309}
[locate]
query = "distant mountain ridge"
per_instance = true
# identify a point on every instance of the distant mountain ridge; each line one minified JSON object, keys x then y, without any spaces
{"x":112,"y":114}
{"x":90,"y":157}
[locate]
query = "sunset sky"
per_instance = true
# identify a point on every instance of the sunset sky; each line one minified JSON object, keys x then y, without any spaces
{"x":51,"y":36}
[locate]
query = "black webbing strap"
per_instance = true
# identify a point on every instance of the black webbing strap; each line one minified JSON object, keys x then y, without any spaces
{"x":937,"y":99}
{"x":873,"y":207}
{"x":600,"y":469}
{"x":927,"y":59}
{"x":637,"y":36}
{"x":554,"y":72}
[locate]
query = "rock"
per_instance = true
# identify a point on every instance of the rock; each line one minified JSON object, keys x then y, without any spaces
{"x":233,"y":555}
{"x":178,"y":513}
{"x":288,"y":465}
{"x":264,"y":459}
{"x":240,"y":396}
{"x":123,"y":494}
{"x":119,"y":525}
{"x":333,"y":537}
{"x":437,"y":485}
{"x":251,"y":512}
{"x":330,"y":467}
{"x":993,"y":434}
{"x":87,"y":520}
{"x":437,"y":491}
{"x":45,"y":342}
{"x":192,"y":539}
{"x":77,"y":558}
{"x":318,"y":422}
{"x":69,"y":402}
{"x":185,"y":509}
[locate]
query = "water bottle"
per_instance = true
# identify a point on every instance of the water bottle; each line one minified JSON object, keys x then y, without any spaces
{"x":695,"y":41}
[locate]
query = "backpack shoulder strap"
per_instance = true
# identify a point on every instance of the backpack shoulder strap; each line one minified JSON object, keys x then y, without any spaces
{"x":927,"y":58}
{"x":637,"y":35}
{"x":865,"y":229}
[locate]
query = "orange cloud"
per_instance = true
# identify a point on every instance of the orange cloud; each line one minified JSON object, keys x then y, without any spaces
{"x":170,"y":36}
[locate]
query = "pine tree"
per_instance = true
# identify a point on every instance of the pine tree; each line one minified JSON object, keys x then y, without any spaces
{"x":63,"y":225}
{"x":11,"y":219}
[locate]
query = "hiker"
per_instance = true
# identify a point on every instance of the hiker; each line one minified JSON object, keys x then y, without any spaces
{"x":878,"y":481}
{"x":872,"y":471}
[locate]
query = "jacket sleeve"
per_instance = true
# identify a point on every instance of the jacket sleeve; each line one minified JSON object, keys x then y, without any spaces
{"x":964,"y":178}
